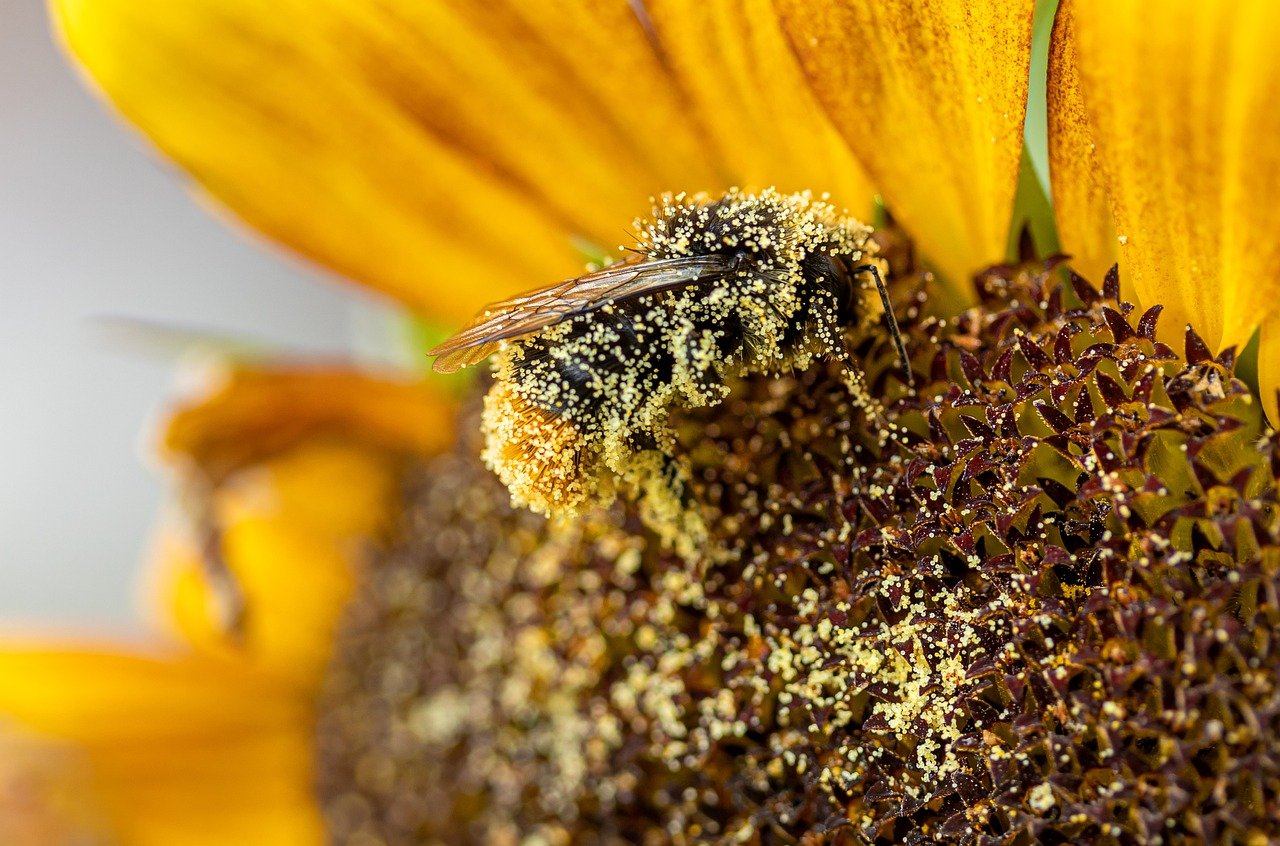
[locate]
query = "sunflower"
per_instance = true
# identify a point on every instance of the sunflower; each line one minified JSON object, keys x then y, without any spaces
{"x":449,"y":154}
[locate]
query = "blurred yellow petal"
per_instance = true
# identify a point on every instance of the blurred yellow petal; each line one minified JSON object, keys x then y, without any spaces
{"x":293,"y":477}
{"x":183,"y":750}
{"x":245,"y":414}
{"x":292,"y":534}
{"x":446,"y":153}
{"x":112,"y":699}
{"x":931,"y":98}
{"x":1183,"y":105}
{"x":747,"y":86}
{"x":1081,"y":205}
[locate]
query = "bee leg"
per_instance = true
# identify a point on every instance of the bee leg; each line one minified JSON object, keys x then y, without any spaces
{"x":893,"y":321}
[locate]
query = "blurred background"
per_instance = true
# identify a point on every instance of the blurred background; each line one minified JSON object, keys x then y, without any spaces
{"x":96,"y":233}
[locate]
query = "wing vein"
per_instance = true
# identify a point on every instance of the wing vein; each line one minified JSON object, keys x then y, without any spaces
{"x":530,"y":313}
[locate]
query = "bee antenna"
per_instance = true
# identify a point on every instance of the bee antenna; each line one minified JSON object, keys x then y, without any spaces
{"x":893,"y":321}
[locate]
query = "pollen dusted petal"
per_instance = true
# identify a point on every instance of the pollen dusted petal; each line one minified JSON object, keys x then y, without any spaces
{"x":1081,"y":206}
{"x":445,"y":153}
{"x":1182,"y":103}
{"x":182,"y":750}
{"x":931,"y":98}
{"x":746,"y":84}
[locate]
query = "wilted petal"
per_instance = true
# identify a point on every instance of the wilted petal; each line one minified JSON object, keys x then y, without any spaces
{"x":931,"y":97}
{"x":267,"y":586}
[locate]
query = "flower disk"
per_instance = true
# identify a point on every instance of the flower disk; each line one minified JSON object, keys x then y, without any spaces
{"x":1045,"y":610}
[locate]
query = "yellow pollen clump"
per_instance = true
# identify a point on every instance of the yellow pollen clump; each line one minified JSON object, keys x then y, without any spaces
{"x":535,"y":454}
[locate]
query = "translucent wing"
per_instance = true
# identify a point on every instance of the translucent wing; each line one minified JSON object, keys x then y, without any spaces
{"x":527,"y":314}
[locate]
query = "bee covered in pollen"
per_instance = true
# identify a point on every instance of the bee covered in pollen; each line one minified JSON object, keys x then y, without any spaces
{"x":588,"y":370}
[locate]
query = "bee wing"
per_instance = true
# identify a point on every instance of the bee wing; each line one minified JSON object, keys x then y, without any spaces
{"x":529,"y":313}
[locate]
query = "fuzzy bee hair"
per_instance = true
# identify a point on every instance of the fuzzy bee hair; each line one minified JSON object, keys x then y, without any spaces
{"x":588,"y":371}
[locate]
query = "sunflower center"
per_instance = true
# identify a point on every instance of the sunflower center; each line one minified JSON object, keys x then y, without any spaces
{"x":1045,"y":607}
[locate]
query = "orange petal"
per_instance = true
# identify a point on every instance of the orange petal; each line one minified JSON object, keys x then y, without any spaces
{"x":447,"y":153}
{"x":1082,"y":208}
{"x":186,"y":751}
{"x":931,"y":98}
{"x":245,"y":414}
{"x":751,"y":95}
{"x":1182,"y":104}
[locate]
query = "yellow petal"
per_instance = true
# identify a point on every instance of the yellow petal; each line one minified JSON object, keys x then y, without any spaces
{"x":447,"y":153}
{"x":1080,"y":202}
{"x":177,"y":751}
{"x":1269,"y":367}
{"x":749,"y":91}
{"x":931,"y":98}
{"x":1183,"y":108}
{"x":293,"y":477}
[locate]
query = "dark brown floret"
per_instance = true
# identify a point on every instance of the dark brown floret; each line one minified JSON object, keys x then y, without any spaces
{"x":1037,"y":602}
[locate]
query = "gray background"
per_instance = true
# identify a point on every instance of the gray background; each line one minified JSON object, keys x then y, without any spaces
{"x":93,"y":226}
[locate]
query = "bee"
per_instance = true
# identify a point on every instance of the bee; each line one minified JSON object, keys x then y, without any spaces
{"x":587,"y":371}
